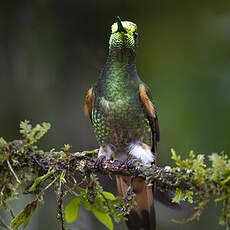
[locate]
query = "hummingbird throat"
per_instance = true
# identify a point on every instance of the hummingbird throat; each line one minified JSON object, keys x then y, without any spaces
{"x":122,"y":55}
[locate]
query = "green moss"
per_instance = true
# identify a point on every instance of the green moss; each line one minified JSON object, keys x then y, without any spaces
{"x":16,"y":177}
{"x":204,"y":182}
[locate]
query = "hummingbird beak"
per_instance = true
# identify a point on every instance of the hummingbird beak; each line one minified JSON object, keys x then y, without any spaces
{"x":120,"y":26}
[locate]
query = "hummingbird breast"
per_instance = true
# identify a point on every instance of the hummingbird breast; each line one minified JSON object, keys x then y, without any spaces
{"x":118,"y":116}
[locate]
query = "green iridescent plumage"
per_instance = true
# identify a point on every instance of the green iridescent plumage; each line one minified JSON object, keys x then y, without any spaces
{"x":118,"y":115}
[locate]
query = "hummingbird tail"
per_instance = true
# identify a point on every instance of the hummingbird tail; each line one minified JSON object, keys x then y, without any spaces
{"x":142,"y":215}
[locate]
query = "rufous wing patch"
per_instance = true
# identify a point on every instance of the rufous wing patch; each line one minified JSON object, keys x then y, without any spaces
{"x":146,"y":101}
{"x":89,"y":103}
{"x":152,"y":117}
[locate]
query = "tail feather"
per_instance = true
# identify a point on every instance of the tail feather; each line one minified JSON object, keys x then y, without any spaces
{"x":142,"y":217}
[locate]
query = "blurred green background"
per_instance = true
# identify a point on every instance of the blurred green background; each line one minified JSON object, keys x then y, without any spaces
{"x":51,"y":52}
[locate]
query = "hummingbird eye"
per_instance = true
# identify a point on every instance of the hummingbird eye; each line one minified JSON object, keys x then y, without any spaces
{"x":135,"y":34}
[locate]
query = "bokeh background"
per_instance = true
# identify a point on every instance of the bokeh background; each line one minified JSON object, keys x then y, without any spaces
{"x":51,"y":52}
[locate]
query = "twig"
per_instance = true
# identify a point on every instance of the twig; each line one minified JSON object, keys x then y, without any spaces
{"x":11,"y":169}
{"x":59,"y":209}
{"x":12,"y":214}
{"x":4,"y":225}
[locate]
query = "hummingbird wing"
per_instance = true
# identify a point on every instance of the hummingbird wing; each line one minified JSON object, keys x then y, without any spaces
{"x":89,"y":103}
{"x":146,"y":99}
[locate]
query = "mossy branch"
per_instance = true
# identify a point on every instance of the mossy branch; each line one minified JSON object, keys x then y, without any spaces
{"x":24,"y":168}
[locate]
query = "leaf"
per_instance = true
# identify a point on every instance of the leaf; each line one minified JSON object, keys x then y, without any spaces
{"x":38,"y":132}
{"x":24,"y":216}
{"x":225,"y":181}
{"x":104,"y":218}
{"x":33,"y":134}
{"x":2,"y":142}
{"x":217,"y":161}
{"x":66,"y":148}
{"x":41,"y":179}
{"x":3,"y":157}
{"x":62,"y":177}
{"x":109,"y":196}
{"x":183,"y":195}
{"x":72,"y":209}
{"x":175,"y":157}
{"x":25,"y":128}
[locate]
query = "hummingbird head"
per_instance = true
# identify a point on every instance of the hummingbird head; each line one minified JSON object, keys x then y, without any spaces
{"x":123,"y":36}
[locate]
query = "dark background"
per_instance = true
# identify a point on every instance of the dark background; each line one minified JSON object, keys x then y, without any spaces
{"x":51,"y":52}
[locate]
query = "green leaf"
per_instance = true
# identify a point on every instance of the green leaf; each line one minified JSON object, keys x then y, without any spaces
{"x":62,"y":177}
{"x":41,"y":179}
{"x":2,"y":142}
{"x":25,"y":128}
{"x":225,"y":181}
{"x":104,"y":218}
{"x":3,"y":157}
{"x":66,"y":147}
{"x":217,"y":161}
{"x":24,"y":216}
{"x":72,"y":209}
{"x":109,"y":196}
{"x":182,"y":195}
{"x":38,"y":132}
{"x":175,"y":157}
{"x":33,"y":134}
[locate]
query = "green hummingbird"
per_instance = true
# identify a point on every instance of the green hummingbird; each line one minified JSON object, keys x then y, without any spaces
{"x":124,"y":118}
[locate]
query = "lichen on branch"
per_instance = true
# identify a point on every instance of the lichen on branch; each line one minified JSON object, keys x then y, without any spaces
{"x":24,"y":168}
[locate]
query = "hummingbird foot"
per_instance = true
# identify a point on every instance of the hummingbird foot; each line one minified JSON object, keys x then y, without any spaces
{"x":130,"y":162}
{"x":105,"y":153}
{"x":98,"y":163}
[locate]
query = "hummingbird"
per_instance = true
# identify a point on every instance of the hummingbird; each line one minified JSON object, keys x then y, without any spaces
{"x":124,"y":119}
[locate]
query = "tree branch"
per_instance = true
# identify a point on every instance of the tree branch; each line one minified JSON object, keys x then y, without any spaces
{"x":86,"y":161}
{"x":21,"y":161}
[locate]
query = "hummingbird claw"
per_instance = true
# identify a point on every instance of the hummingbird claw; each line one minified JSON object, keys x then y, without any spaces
{"x":130,"y":162}
{"x":98,"y":163}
